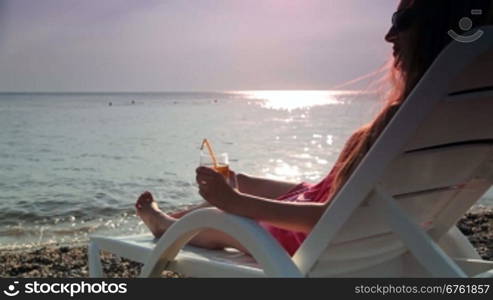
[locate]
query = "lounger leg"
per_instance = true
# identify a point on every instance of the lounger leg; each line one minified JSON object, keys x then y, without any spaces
{"x":422,"y":246}
{"x":95,"y":267}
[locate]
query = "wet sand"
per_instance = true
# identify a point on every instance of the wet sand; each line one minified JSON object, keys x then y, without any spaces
{"x":64,"y":261}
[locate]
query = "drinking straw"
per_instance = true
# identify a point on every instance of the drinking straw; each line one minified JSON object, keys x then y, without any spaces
{"x":209,"y":149}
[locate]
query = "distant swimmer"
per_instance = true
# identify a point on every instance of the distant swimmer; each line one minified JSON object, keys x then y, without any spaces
{"x":110,"y":104}
{"x":133,"y":102}
{"x":215,"y":100}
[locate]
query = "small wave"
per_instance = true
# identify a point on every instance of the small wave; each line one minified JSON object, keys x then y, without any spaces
{"x":74,"y":231}
{"x":181,"y":183}
{"x":75,"y":169}
{"x":16,"y":231}
{"x":19,"y":231}
{"x":178,"y":195}
{"x":52,"y":212}
{"x":103,"y":156}
{"x":56,"y":159}
{"x":155,"y":180}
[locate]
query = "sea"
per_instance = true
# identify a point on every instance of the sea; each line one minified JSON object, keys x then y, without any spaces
{"x":73,"y":164}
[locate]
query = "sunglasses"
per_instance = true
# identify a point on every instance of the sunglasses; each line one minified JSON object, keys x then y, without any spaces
{"x":403,"y":19}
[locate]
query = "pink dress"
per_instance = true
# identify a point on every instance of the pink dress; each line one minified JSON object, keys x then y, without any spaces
{"x":303,"y":192}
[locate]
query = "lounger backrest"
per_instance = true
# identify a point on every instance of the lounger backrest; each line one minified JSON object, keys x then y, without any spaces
{"x":435,"y":158}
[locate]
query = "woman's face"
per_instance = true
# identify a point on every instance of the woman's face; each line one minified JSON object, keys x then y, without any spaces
{"x":398,"y":34}
{"x":393,"y":37}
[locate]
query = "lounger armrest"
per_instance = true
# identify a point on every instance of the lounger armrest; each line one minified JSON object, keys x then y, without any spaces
{"x":270,"y":256}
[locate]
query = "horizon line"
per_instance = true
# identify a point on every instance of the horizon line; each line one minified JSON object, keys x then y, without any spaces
{"x":178,"y":91}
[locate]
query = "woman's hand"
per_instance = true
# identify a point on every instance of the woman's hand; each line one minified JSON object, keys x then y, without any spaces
{"x":214,"y":188}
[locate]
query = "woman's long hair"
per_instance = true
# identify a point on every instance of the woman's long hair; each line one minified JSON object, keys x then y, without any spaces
{"x":426,"y":37}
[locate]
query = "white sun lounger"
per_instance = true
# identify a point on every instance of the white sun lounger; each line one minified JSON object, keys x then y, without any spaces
{"x":395,"y":216}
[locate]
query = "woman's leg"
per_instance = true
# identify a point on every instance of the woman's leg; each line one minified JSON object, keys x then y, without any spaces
{"x":158,"y":222}
{"x":182,"y":212}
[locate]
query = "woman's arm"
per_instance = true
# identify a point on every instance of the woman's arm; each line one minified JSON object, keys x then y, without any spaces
{"x":294,"y":216}
{"x":263,"y":187}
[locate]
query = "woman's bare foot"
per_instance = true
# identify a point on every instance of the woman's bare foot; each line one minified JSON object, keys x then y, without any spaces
{"x":148,"y":210}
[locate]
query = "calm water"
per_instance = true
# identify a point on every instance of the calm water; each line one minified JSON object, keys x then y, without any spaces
{"x":72,"y":164}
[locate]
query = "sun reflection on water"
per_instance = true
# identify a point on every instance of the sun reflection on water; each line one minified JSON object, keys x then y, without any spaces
{"x":282,"y":171}
{"x":309,"y":156}
{"x":295,"y":99}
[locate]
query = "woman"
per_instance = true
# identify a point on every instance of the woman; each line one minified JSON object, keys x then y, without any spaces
{"x":289,"y":211}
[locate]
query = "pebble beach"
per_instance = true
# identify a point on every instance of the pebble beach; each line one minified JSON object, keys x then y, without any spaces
{"x":71,"y":261}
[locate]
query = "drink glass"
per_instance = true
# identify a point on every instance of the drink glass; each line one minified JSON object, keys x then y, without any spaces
{"x":222,"y":163}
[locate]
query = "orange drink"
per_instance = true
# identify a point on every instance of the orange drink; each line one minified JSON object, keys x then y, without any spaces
{"x":221,"y":165}
{"x":222,"y":169}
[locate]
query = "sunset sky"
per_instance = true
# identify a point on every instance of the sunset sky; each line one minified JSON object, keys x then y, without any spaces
{"x":201,"y":45}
